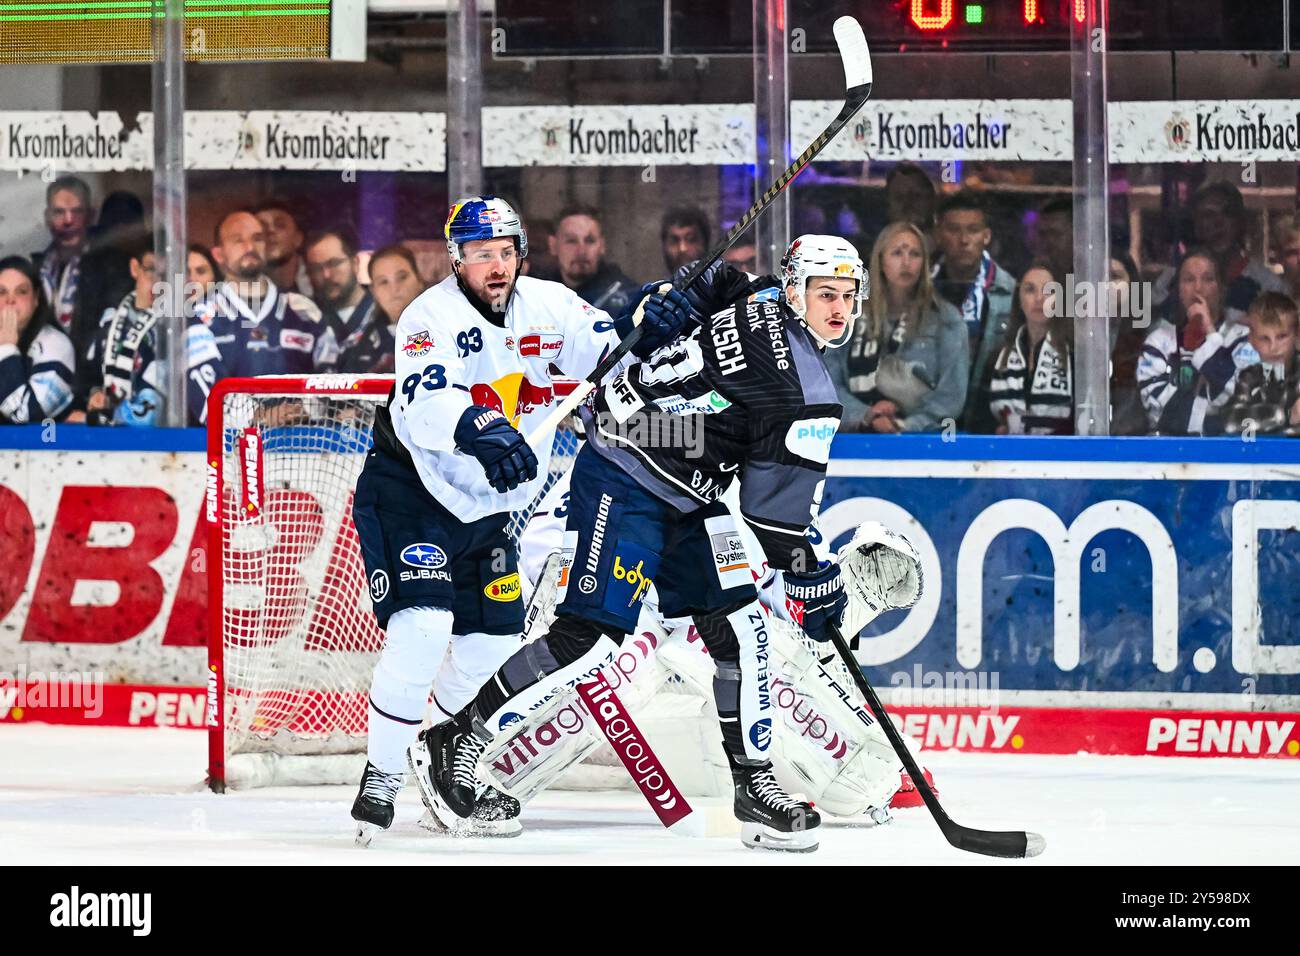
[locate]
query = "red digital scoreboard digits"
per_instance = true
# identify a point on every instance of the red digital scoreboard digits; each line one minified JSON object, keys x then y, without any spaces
{"x":982,"y":23}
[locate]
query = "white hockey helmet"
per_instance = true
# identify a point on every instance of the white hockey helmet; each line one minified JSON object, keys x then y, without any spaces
{"x":829,"y":256}
{"x":482,"y":217}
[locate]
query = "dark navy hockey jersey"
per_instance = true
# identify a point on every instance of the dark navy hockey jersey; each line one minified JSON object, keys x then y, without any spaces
{"x":283,"y":335}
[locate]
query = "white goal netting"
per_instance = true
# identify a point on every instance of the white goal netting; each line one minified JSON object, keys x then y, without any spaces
{"x":293,"y":641}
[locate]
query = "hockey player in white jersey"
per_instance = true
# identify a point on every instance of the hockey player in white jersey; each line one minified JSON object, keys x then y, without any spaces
{"x":449,"y":464}
{"x":752,"y":385}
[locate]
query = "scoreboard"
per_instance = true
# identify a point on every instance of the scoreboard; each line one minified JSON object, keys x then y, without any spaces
{"x":119,"y":31}
{"x":721,"y":27}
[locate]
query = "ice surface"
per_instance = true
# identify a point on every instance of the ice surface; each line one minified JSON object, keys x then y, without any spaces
{"x":113,"y":796}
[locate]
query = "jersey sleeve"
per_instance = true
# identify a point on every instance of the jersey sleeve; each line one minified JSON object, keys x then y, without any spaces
{"x":204,"y":368}
{"x":432,"y":385}
{"x":588,"y":337}
{"x":39,"y":386}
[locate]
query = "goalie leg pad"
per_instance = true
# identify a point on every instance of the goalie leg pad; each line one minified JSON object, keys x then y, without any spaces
{"x":414,"y":646}
{"x":573,"y":651}
{"x":737,"y":639}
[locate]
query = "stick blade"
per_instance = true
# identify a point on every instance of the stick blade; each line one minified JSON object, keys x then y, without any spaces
{"x":854,"y":53}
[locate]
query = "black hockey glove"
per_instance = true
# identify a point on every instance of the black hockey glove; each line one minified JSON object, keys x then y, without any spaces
{"x":504,"y":454}
{"x":816,"y":599}
{"x":665,"y":318}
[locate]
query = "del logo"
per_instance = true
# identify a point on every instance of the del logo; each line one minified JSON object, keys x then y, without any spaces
{"x":298,"y":341}
{"x":760,"y":733}
{"x":540,"y":346}
{"x":418,"y":343}
{"x":424,"y":556}
{"x":504,"y":589}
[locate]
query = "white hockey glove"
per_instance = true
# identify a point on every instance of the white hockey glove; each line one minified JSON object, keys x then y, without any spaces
{"x":881,"y":572}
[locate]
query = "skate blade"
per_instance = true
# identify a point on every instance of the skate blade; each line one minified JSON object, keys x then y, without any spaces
{"x":366,"y":832}
{"x":417,"y":758}
{"x":471,"y":828}
{"x":758,"y":836}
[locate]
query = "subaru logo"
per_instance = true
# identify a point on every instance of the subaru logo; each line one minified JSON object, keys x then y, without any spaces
{"x":424,"y":556}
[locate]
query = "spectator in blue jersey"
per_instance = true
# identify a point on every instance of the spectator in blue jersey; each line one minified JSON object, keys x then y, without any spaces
{"x":259,"y":328}
{"x":347,"y":308}
{"x":966,"y":275}
{"x":131,"y":378}
{"x":579,"y":249}
{"x":36,"y":356}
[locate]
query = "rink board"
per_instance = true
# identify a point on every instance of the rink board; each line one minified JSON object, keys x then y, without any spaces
{"x":1181,"y":597}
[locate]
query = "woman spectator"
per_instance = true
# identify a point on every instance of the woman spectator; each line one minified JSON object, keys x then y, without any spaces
{"x":1128,"y":331}
{"x":1189,"y":362}
{"x":906,"y":368}
{"x":1031,"y":384}
{"x":36,"y":356}
{"x":394,"y":284}
{"x":201,"y":274}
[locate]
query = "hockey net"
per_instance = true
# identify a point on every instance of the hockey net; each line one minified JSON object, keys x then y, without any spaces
{"x":292,"y":641}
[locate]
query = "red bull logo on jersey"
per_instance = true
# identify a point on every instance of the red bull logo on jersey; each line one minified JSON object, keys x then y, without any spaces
{"x":512,"y":395}
{"x":417,"y":344}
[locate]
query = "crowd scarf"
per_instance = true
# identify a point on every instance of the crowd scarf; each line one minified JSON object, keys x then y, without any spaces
{"x":1043,"y":405}
{"x":865,"y":352}
{"x":60,"y":278}
{"x":972,"y":306}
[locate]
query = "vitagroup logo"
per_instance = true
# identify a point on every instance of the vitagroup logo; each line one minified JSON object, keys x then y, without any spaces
{"x":424,"y":556}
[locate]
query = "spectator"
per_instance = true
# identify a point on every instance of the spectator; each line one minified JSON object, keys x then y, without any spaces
{"x":539,"y":263}
{"x":982,"y":291}
{"x":201,"y":275}
{"x":744,"y":256}
{"x":68,"y":217}
{"x":1267,"y":394}
{"x":684,"y":235}
{"x":907,"y":365}
{"x":36,"y":355}
{"x":1054,"y":236}
{"x":1128,"y":333}
{"x":1031,"y":382}
{"x":258,"y":329}
{"x":394,"y":284}
{"x":104,"y":276}
{"x":1219,"y":228}
{"x":1285,"y":240}
{"x":910,"y":196}
{"x":579,"y":249}
{"x":131,"y":379}
{"x":1189,"y":361}
{"x":346,"y":305}
{"x":284,"y":261}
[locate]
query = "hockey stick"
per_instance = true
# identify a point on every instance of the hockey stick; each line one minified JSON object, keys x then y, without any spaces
{"x":1012,"y":844}
{"x":639,"y":760}
{"x":856,"y":59}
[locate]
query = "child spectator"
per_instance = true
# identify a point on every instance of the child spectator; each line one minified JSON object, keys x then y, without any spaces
{"x":36,"y":356}
{"x":1267,"y":396}
{"x":1031,"y":385}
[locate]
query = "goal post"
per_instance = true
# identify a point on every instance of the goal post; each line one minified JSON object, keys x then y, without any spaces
{"x":292,"y":640}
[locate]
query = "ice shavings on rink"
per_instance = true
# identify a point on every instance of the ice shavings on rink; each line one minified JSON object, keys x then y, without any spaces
{"x":115,"y":796}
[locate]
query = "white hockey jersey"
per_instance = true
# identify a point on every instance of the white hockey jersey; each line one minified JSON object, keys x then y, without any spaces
{"x":448,"y":358}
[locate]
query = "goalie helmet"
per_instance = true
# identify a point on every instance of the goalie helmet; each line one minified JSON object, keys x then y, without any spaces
{"x":483,"y":217}
{"x":829,"y":256}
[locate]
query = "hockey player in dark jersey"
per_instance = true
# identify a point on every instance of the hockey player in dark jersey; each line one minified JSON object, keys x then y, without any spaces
{"x":746,"y":395}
